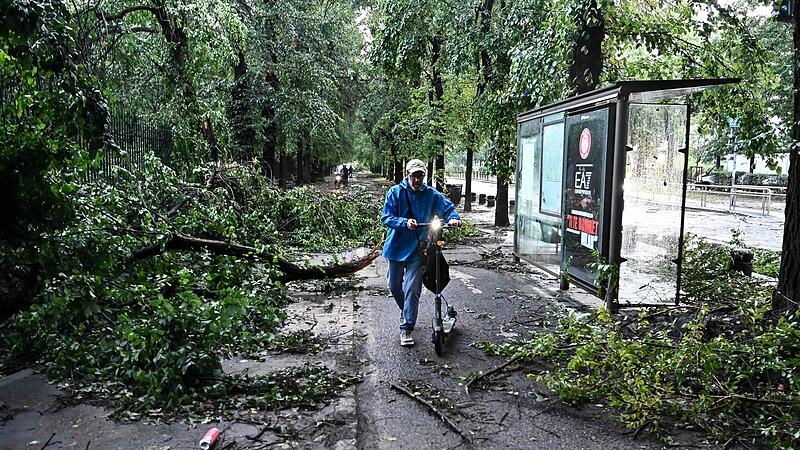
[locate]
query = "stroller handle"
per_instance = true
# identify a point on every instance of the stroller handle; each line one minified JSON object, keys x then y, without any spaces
{"x":444,"y":225}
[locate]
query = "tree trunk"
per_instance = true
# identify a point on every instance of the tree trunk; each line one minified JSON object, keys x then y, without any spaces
{"x":398,"y":171}
{"x":787,"y":297}
{"x":268,"y":155}
{"x":440,"y":172}
{"x":501,"y":203}
{"x":284,"y":168}
{"x":175,"y":34}
{"x":468,"y":175}
{"x":307,"y":161}
{"x":273,"y":129}
{"x":484,"y":74}
{"x":587,"y":56}
{"x":397,"y":165}
{"x":211,"y":139}
{"x":242,"y":128}
{"x":299,"y":158}
{"x":438,"y":94}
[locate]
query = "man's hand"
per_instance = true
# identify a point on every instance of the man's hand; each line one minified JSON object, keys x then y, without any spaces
{"x":454,"y":223}
{"x":412,"y":224}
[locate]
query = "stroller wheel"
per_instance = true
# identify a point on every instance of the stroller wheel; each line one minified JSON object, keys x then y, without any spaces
{"x":438,"y":342}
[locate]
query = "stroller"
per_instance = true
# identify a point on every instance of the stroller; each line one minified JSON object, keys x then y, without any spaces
{"x":435,"y":279}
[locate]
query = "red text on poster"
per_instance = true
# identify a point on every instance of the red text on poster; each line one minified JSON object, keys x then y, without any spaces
{"x":582,"y":224}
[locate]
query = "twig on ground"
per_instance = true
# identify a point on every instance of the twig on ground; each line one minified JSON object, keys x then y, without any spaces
{"x":257,"y":436}
{"x":46,"y":444}
{"x":640,"y":429}
{"x":491,"y":372}
{"x":434,"y":409}
{"x":504,"y":417}
{"x":546,"y":430}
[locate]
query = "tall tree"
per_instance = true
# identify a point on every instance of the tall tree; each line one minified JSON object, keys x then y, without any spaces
{"x":787,"y":296}
{"x":410,"y":45}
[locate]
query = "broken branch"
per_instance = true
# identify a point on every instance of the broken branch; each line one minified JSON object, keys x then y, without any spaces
{"x":433,"y":409}
{"x":491,"y":372}
{"x":291,"y":271}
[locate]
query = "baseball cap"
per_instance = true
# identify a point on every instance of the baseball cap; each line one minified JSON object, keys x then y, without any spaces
{"x":416,"y":165}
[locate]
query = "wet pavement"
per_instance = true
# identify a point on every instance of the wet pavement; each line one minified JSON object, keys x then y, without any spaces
{"x":513,"y":412}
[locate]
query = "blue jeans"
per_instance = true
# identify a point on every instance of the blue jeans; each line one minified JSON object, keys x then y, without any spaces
{"x":405,"y":284}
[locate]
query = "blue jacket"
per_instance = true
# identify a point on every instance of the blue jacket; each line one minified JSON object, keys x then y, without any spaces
{"x":401,"y":243}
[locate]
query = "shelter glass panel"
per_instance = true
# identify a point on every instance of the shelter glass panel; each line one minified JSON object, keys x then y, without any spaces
{"x":538,"y":236}
{"x":584,"y":189}
{"x":651,"y":220}
{"x":552,"y":168}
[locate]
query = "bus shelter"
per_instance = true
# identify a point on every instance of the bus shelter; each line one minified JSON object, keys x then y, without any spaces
{"x":601,"y":189}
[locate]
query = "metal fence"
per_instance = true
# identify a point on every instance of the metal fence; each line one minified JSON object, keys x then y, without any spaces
{"x":477,"y":175}
{"x":135,"y":137}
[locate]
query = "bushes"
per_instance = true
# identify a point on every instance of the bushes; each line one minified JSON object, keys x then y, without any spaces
{"x":750,"y":179}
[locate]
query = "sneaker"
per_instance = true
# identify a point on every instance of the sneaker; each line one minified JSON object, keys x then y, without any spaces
{"x":405,"y":338}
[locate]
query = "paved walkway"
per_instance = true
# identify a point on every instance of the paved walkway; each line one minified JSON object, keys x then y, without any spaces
{"x":488,"y":187}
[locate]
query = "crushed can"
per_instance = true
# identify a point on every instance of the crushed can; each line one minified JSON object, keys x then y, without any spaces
{"x":209,"y":439}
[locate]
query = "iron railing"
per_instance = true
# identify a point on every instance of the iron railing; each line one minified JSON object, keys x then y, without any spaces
{"x":134,"y":137}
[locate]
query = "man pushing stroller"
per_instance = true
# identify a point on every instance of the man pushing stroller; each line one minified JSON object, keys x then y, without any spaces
{"x":407,"y":204}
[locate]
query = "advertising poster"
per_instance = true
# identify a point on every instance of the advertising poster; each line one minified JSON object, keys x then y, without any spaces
{"x":587,"y":145}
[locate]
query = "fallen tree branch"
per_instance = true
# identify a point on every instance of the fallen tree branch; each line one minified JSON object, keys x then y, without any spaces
{"x":491,"y":372}
{"x":745,"y":398}
{"x":291,"y":271}
{"x":433,"y":409}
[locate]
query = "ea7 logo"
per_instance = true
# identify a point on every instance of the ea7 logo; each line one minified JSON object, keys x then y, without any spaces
{"x":583,"y":179}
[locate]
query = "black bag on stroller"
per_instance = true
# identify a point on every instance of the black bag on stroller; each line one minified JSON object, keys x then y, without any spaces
{"x":428,"y":257}
{"x":429,"y":276}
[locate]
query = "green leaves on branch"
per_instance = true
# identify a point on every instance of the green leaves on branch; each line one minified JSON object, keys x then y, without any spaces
{"x":723,"y":363}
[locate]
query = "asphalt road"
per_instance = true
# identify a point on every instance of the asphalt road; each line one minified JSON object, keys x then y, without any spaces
{"x":512,"y":412}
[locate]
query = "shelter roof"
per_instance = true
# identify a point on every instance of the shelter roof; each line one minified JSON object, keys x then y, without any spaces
{"x":638,"y":91}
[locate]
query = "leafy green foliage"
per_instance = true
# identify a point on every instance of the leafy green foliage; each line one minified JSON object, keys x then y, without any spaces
{"x":310,"y":219}
{"x":462,"y":234}
{"x":232,"y":396}
{"x":296,"y":342}
{"x":304,"y":386}
{"x":766,"y":262}
{"x":723,"y":362}
{"x":148,"y":332}
{"x":41,"y":94}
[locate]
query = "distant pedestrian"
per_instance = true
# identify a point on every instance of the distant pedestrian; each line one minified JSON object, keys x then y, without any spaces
{"x":408,"y":203}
